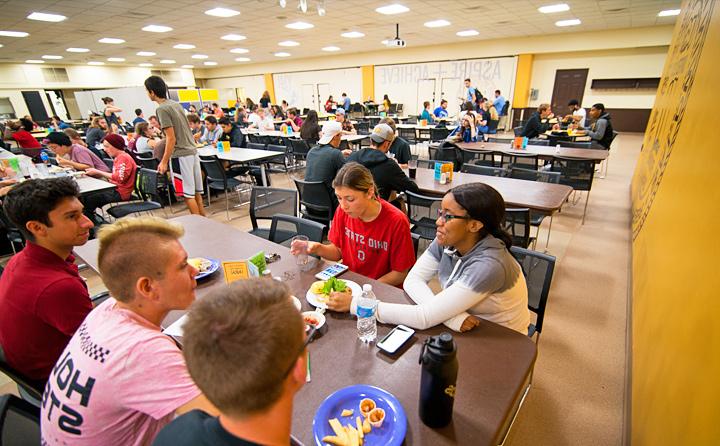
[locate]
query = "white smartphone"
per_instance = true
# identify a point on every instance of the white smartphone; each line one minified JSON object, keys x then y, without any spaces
{"x":333,"y":270}
{"x":398,"y":336}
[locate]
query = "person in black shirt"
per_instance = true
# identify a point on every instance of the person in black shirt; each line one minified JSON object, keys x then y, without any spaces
{"x":231,"y":132}
{"x":400,"y":148}
{"x":535,"y":125}
{"x":310,"y":129}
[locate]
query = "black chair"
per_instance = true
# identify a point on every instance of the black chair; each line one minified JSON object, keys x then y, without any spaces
{"x":484,"y":170}
{"x":14,"y":236}
{"x":285,"y":227}
{"x":478,"y":156}
{"x":265,"y":202}
{"x":147,"y":160}
{"x":316,"y":202}
{"x":146,"y":188}
{"x":543,"y":176}
{"x":439,"y":133}
{"x":517,"y":223}
{"x":299,"y":147}
{"x":216,"y":179}
{"x":575,"y":145}
{"x":606,"y":161}
{"x":518,"y":130}
{"x":426,"y":164}
{"x":408,"y":135}
{"x":281,"y":161}
{"x":424,"y":226}
{"x":523,"y":161}
{"x":577,"y":174}
{"x":449,"y":152}
{"x":256,"y":146}
{"x":19,"y":422}
{"x":492,"y":126}
{"x":538,"y":270}
{"x":362,"y":127}
{"x":30,"y":389}
{"x":538,"y":142}
{"x":416,"y":243}
{"x":253,"y":138}
{"x":500,"y":140}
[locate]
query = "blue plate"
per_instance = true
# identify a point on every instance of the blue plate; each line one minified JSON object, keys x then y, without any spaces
{"x":391,"y":433}
{"x":214,"y":267}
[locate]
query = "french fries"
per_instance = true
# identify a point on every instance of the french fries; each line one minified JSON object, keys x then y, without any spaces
{"x":347,"y":412}
{"x":347,"y":435}
{"x":359,"y":424}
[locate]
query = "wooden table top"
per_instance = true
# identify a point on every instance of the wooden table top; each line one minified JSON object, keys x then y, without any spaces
{"x":544,"y":197}
{"x":542,"y":151}
{"x":495,"y":362}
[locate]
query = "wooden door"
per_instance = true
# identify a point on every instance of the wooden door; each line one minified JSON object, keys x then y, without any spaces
{"x":569,"y":84}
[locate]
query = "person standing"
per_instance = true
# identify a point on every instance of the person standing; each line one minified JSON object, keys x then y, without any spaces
{"x":471,"y":93}
{"x":345,"y":102}
{"x":265,"y":99}
{"x":180,"y":144}
{"x":499,"y":101}
{"x":109,"y":112}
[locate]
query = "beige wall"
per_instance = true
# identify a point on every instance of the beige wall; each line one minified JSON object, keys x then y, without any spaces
{"x":605,"y":64}
{"x":18,"y":103}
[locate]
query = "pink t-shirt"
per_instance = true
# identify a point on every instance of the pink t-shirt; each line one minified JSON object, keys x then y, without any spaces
{"x":118,"y":382}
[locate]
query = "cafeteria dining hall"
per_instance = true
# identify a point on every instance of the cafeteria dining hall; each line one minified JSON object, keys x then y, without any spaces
{"x":379,"y":223}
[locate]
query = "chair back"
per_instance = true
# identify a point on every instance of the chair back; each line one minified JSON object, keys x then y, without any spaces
{"x":525,"y":160}
{"x":408,"y":135}
{"x":450,"y":152}
{"x":517,"y":223}
{"x":214,"y":170}
{"x":500,"y":140}
{"x":426,"y":164}
{"x":542,"y":176}
{"x":538,"y":269}
{"x":438,"y":133}
{"x":477,"y":156}
{"x":13,"y":233}
{"x":147,"y":160}
{"x":265,"y":202}
{"x":19,"y":421}
{"x":316,"y":198}
{"x":575,"y":145}
{"x":253,"y":138}
{"x":33,"y":388}
{"x":300,"y":148}
{"x":575,"y":173}
{"x":484,"y":170}
{"x":538,"y":142}
{"x":416,"y":242}
{"x":287,"y":224}
{"x":614,"y":135}
{"x":147,"y":185}
{"x":362,"y":127}
{"x":420,"y":204}
{"x":518,"y":130}
{"x":256,"y":146}
{"x":492,"y":125}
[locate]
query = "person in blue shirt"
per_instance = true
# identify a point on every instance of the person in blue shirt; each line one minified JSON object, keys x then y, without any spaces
{"x":426,"y":115}
{"x":138,"y":117}
{"x":499,"y":101}
{"x":58,"y":124}
{"x":471,"y":93}
{"x":345,"y":102}
{"x":441,"y":111}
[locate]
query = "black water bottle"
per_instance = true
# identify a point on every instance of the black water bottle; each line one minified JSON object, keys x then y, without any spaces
{"x":438,"y":380}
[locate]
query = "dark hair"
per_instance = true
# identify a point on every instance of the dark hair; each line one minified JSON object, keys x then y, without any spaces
{"x":59,"y":138}
{"x":211,"y":119}
{"x":153,"y":117}
{"x":26,"y":124}
{"x":468,"y":80}
{"x":425,"y":104}
{"x":138,"y":112}
{"x":468,"y":106}
{"x":156,"y":85}
{"x":215,"y":104}
{"x":33,"y":200}
{"x":56,"y":117}
{"x":141,"y":128}
{"x":386,"y":97}
{"x":293,"y":111}
{"x":224,"y":121}
{"x":599,"y":106}
{"x":573,"y":102}
{"x":344,"y":94}
{"x":486,"y":205}
{"x":107,"y":100}
{"x":497,"y":91}
{"x":192,"y":117}
{"x":444,"y":101}
{"x":309,"y":130}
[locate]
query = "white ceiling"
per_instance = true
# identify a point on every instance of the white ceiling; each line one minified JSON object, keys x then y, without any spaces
{"x":263,"y":23}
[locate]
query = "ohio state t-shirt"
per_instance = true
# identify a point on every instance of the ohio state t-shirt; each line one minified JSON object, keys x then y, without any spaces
{"x":374,"y":248}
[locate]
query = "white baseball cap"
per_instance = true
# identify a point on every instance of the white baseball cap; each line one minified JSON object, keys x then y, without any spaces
{"x":329,"y":130}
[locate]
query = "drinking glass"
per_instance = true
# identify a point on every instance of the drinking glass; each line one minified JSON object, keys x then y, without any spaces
{"x":300,"y":245}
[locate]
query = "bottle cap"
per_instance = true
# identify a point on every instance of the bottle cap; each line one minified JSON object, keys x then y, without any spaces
{"x":367,"y":287}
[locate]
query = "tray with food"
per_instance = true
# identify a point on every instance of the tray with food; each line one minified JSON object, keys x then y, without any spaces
{"x":204,"y":266}
{"x":320,"y":291}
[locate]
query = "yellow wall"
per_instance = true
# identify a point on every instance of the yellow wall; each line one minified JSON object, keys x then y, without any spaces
{"x":523,"y":77}
{"x":676,"y":210}
{"x":368,"y":82}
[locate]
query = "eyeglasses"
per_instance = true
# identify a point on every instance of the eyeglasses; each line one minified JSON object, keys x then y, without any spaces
{"x":448,"y":217}
{"x":308,"y":340}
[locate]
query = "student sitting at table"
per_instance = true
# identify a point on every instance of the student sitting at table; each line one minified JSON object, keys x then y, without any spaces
{"x":19,"y":131}
{"x":441,"y":111}
{"x":426,"y":114}
{"x":266,"y":374}
{"x":470,"y":257}
{"x":537,"y":124}
{"x":196,"y":126}
{"x":120,"y":379}
{"x":95,"y":133}
{"x":138,"y":117}
{"x":218,"y":111}
{"x":261,"y":120}
{"x":466,"y":131}
{"x":73,"y":155}
{"x":231,"y":133}
{"x":122,"y":176}
{"x":482,"y":118}
{"x":74,"y":136}
{"x":58,"y":124}
{"x":43,"y":299}
{"x":145,"y":141}
{"x":371,"y":236}
{"x":294,"y":120}
{"x":400,"y":148}
{"x":155,"y":126}
{"x":601,"y":131}
{"x":241,"y":113}
{"x":577,"y":114}
{"x":310,"y":129}
{"x":347,"y":127}
{"x":212,"y":131}
{"x":324,"y":160}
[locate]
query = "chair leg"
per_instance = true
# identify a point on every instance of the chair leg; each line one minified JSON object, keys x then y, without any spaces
{"x":547,"y":241}
{"x":227,"y":205}
{"x":587,"y":198}
{"x":603,"y":172}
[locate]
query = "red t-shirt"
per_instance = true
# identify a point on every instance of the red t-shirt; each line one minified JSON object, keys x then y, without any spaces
{"x":123,"y":175}
{"x":43,"y":300}
{"x":374,"y":248}
{"x":25,"y":140}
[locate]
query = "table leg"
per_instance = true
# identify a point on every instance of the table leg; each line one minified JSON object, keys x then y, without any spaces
{"x":263,"y":174}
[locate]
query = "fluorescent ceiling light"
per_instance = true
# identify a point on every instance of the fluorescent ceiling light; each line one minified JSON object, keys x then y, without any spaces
{"x":146,"y":65}
{"x":467,"y":33}
{"x":242,"y":59}
{"x":157,"y":29}
{"x":353,"y":34}
{"x":222,"y":12}
{"x":549,"y":9}
{"x":571,"y":22}
{"x":395,"y":8}
{"x":299,"y":25}
{"x":167,"y":61}
{"x":44,"y":17}
{"x":210,"y":64}
{"x":96,"y":63}
{"x":188,"y":66}
{"x":437,"y":23}
{"x":145,"y":53}
{"x":50,"y":56}
{"x":330,"y":48}
{"x":116,"y":59}
{"x":199,"y":56}
{"x":668,"y":12}
{"x":111,"y":40}
{"x":13,"y":34}
{"x":1,"y":45}
{"x":34,"y":61}
{"x":289,"y":43}
{"x":77,"y":50}
{"x":233,"y":37}
{"x":184,"y":46}
{"x":282,"y":54}
{"x":239,"y":50}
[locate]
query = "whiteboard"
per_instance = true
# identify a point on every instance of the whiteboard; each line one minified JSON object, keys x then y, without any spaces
{"x":128,"y":99}
{"x":290,"y":86}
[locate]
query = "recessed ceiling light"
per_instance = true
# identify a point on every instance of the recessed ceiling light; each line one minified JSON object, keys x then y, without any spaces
{"x":549,"y":9}
{"x":437,"y":23}
{"x":282,"y":54}
{"x":353,"y":34}
{"x":1,"y":45}
{"x":210,"y":63}
{"x":289,"y":43}
{"x":146,"y":65}
{"x":13,"y":34}
{"x":668,"y":12}
{"x":44,"y":17}
{"x":157,"y":28}
{"x":167,"y":61}
{"x":199,"y":56}
{"x":184,"y":46}
{"x":50,"y":56}
{"x":77,"y":50}
{"x":571,"y":22}
{"x":145,"y":53}
{"x":116,"y":59}
{"x":299,"y":25}
{"x":34,"y":61}
{"x":467,"y":33}
{"x":111,"y":40}
{"x":242,"y":59}
{"x":188,"y":66}
{"x":239,"y":50}
{"x":96,"y":63}
{"x":395,"y":8}
{"x":233,"y":37}
{"x":330,"y":48}
{"x":222,"y":12}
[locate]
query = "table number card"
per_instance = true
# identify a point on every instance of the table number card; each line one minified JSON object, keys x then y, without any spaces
{"x":238,"y":270}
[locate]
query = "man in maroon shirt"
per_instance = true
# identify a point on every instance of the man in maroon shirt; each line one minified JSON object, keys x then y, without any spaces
{"x":43,"y":299}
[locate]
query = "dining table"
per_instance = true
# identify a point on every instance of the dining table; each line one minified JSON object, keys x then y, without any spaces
{"x":545,"y":152}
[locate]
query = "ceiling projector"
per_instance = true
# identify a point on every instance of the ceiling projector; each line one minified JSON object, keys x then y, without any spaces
{"x":397,"y":42}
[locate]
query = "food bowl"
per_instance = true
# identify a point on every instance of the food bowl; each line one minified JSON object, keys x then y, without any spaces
{"x":313,"y":318}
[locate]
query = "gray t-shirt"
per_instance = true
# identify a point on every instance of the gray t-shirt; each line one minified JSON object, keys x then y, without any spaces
{"x":171,"y":114}
{"x":323,"y":163}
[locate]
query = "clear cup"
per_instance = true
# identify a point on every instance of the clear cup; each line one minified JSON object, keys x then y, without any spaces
{"x":299,"y":245}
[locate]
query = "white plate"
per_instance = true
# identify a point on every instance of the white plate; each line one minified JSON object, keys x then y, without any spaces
{"x":297,"y":303}
{"x":312,"y":298}
{"x":319,"y":317}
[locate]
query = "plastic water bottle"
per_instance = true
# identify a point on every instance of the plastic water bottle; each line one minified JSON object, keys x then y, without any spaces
{"x":557,"y":148}
{"x":44,"y":157}
{"x":366,"y":308}
{"x":219,"y":146}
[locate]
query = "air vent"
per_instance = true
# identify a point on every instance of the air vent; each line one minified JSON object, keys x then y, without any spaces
{"x":55,"y":75}
{"x":170,"y":77}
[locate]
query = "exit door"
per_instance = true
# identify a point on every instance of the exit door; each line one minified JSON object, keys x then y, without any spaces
{"x":323,"y":92}
{"x":451,"y":89}
{"x":308,"y":96}
{"x":569,"y":84}
{"x":425,"y":92}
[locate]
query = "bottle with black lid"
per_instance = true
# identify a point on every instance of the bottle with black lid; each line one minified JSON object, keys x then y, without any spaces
{"x":438,"y":380}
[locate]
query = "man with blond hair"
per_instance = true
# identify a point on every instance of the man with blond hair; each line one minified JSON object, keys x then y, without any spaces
{"x":244,"y":348}
{"x":120,"y":379}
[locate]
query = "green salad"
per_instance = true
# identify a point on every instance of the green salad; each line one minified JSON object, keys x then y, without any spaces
{"x":333,"y":284}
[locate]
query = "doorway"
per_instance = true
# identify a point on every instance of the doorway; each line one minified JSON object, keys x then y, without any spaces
{"x":569,"y":84}
{"x":308,"y":96}
{"x":323,"y":93}
{"x":451,"y":89}
{"x":425,"y":92}
{"x":35,"y":105}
